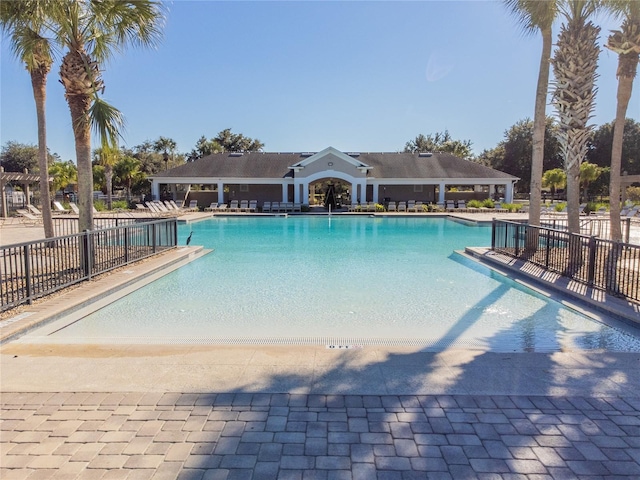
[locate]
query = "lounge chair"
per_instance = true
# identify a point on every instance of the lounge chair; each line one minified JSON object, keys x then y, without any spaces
{"x":275,"y":207}
{"x":451,"y":206}
{"x":28,"y":218}
{"x":175,"y":205}
{"x":391,"y":207}
{"x":419,"y":207}
{"x":212,"y":207}
{"x":462,"y":206}
{"x":297,"y":207}
{"x":411,"y":206}
{"x":59,"y":208}
{"x":74,"y":208}
{"x":266,"y":207}
{"x":233,"y":206}
{"x":402,"y":207}
{"x":253,"y":206}
{"x":288,"y":207}
{"x":222,"y":207}
{"x":244,"y":205}
{"x":193,"y":206}
{"x":34,"y":210}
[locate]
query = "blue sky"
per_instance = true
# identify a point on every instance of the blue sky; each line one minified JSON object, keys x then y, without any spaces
{"x":301,"y":76}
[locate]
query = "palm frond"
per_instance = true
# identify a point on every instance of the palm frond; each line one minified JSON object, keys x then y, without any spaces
{"x":107,"y":122}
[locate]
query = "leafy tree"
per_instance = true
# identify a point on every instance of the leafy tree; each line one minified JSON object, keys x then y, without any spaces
{"x":91,"y":32}
{"x":15,"y":157}
{"x":600,"y":146}
{"x":440,"y":143}
{"x":574,"y":66}
{"x":533,"y":16}
{"x":64,"y":174}
{"x":589,"y":173}
{"x":554,"y":179}
{"x":225,"y":141}
{"x":107,"y":157}
{"x":127,"y":170}
{"x":513,"y":154}
{"x":25,"y":22}
{"x":626,"y":43}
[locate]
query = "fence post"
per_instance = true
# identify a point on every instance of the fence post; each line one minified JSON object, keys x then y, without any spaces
{"x":493,"y":233}
{"x":86,"y":254}
{"x":592,"y":260}
{"x":126,"y":244}
{"x":517,"y":240}
{"x":153,"y":236}
{"x":27,"y":273}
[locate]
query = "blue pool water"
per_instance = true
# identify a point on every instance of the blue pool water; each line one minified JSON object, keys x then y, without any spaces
{"x":350,"y":279}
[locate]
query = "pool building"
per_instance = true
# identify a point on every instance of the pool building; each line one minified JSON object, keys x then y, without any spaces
{"x":361,"y":177}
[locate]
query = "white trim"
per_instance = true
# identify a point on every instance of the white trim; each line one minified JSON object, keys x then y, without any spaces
{"x":330,"y":151}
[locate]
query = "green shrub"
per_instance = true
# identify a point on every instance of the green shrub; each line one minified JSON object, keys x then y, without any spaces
{"x":474,"y":204}
{"x":512,"y":207}
{"x":120,"y":205}
{"x":100,"y":205}
{"x":488,"y":203}
{"x":379,"y":207}
{"x":560,"y":207}
{"x":633,"y":194}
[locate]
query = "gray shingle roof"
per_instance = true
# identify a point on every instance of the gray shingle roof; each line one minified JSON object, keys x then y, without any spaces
{"x":384,"y":165}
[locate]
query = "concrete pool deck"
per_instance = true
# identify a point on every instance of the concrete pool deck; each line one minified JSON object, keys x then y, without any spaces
{"x":180,"y":411}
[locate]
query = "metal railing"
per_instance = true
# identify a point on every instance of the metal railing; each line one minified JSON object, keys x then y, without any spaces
{"x":68,"y":225}
{"x":610,"y":266}
{"x":34,"y":269}
{"x":589,"y":225}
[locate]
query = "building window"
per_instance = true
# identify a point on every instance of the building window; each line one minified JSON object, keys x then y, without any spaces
{"x":417,"y":188}
{"x":244,"y":187}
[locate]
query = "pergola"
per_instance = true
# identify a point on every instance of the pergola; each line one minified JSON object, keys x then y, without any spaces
{"x":25,"y":179}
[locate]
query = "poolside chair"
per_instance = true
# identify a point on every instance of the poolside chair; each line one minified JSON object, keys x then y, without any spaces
{"x":212,"y":207}
{"x":34,"y":210}
{"x":288,"y":207}
{"x":411,"y":206}
{"x":175,"y":206}
{"x":391,"y":207}
{"x":253,"y":206}
{"x":222,"y":207}
{"x":193,"y":206}
{"x":352,"y":208}
{"x":244,"y":205}
{"x":297,"y":207}
{"x":451,"y":206}
{"x":266,"y":207}
{"x":462,"y":206}
{"x":59,"y":208}
{"x":275,"y":207}
{"x":74,"y":208}
{"x":402,"y":207}
{"x":28,"y":218}
{"x":233,"y":206}
{"x":419,"y":207}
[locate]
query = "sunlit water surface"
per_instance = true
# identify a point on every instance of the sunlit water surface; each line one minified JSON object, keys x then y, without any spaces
{"x":343,"y":280}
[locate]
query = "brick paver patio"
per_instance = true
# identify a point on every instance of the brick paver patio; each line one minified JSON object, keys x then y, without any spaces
{"x":264,"y":436}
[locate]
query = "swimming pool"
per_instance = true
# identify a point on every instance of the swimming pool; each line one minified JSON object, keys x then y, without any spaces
{"x":342,"y":280}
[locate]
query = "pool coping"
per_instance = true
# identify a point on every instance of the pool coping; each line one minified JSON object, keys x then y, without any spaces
{"x":587,"y":300}
{"x":90,"y":294}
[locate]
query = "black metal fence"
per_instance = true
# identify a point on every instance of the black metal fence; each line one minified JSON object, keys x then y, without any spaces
{"x":34,"y":269}
{"x":68,"y":225}
{"x":610,"y":266}
{"x":589,"y":225}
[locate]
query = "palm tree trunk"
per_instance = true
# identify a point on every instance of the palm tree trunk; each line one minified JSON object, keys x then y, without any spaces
{"x":625,"y":85}
{"x":539,"y":124}
{"x":108,"y":173}
{"x":39,"y":85}
{"x":79,"y":106}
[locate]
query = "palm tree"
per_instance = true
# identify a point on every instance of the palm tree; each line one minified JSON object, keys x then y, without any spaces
{"x":127,"y":170}
{"x":574,"y":67}
{"x":534,"y":15}
{"x":589,"y":173}
{"x":64,"y":174}
{"x":25,"y":22}
{"x":626,"y":43}
{"x":165,"y":145}
{"x":91,"y":32}
{"x":554,"y":179}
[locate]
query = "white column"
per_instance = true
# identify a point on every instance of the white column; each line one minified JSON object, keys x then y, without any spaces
{"x":304,"y":198}
{"x":354,"y":193}
{"x":285,"y":193}
{"x":376,"y":192}
{"x":296,"y":191}
{"x":508,"y":192}
{"x":441,"y":189}
{"x":363,"y":188}
{"x":220,"y":186}
{"x":155,"y":189}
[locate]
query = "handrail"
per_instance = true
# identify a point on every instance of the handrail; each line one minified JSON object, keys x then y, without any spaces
{"x":30,"y":270}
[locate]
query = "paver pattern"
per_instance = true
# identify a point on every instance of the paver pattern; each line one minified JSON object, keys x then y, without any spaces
{"x":288,"y":436}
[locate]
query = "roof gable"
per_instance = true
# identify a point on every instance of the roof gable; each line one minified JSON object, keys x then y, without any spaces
{"x":330,"y":152}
